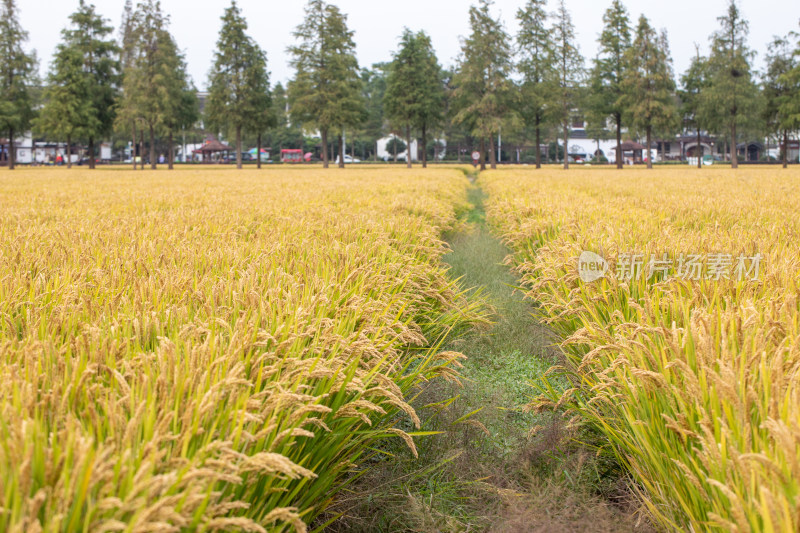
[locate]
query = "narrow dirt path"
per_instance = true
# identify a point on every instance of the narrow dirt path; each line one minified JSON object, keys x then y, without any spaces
{"x":485,"y":471}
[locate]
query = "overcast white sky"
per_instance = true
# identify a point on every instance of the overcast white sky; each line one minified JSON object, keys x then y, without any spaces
{"x":377,"y":25}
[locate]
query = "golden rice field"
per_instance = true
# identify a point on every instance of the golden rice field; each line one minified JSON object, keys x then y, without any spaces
{"x":695,"y":382}
{"x":210,"y":349}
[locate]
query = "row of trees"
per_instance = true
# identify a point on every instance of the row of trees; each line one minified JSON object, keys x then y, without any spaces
{"x":529,"y":87}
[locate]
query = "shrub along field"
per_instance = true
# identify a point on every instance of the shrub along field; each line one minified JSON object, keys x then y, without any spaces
{"x":207,"y":350}
{"x":695,"y":382}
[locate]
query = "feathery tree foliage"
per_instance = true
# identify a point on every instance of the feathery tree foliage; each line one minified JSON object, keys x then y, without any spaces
{"x":155,"y":81}
{"x":730,"y":99}
{"x":17,"y":75}
{"x":238,"y":96}
{"x":127,"y":39}
{"x":82,"y":104}
{"x":283,"y":133}
{"x":414,"y":88}
{"x":374,"y":83}
{"x":649,"y":87}
{"x":536,"y":64}
{"x":67,"y":113}
{"x":609,"y":71}
{"x":326,"y":91}
{"x":782,"y":91}
{"x":483,"y":94}
{"x":569,"y":71}
{"x":694,"y":81}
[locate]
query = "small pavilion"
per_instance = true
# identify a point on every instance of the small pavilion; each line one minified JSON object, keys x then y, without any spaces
{"x":211,"y":149}
{"x":631,"y":151}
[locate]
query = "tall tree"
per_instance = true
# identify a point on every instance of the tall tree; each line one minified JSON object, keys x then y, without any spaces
{"x":414,"y":88}
{"x":782,"y":91}
{"x":569,"y":71}
{"x":238,"y":96}
{"x":374,"y":82}
{"x":181,"y":111}
{"x":483,"y":92}
{"x":154,"y":80}
{"x":609,"y":71}
{"x":17,"y":75}
{"x":125,"y":121}
{"x":67,"y":113}
{"x":730,"y":99}
{"x":326,"y":92}
{"x":694,"y":81}
{"x":649,"y":88}
{"x":537,"y":67}
{"x":89,"y":39}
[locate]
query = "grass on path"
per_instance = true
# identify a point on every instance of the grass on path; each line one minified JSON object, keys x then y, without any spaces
{"x":486,"y":471}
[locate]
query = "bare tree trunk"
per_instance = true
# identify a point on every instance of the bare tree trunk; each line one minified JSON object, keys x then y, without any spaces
{"x":91,"y":153}
{"x":258,"y":153}
{"x":239,"y":147}
{"x":785,"y":148}
{"x":394,"y":147}
{"x":492,"y":153}
{"x":618,"y":119}
{"x":734,"y":149}
{"x":324,"y":133}
{"x":141,"y":149}
{"x":171,"y":152}
{"x":566,"y":139}
{"x":459,"y":151}
{"x":425,"y":147}
{"x":153,"y":162}
{"x":133,"y":146}
{"x":341,"y":151}
{"x":408,"y":146}
{"x":649,"y":144}
{"x":699,"y":151}
{"x":11,"y":149}
{"x":483,"y":153}
{"x":69,"y":151}
{"x":538,"y":142}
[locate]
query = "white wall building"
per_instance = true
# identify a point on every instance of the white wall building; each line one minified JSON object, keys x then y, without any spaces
{"x":387,"y":155}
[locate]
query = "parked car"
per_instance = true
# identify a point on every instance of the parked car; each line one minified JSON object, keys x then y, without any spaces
{"x":348,"y":159}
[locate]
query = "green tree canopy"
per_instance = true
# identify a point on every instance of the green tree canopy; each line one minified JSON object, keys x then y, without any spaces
{"x":374,"y":83}
{"x":782,"y":90}
{"x":326,"y":91}
{"x":483,"y":94}
{"x":730,"y":100}
{"x":649,"y":88}
{"x":414,"y":88}
{"x":154,"y":79}
{"x":94,"y":85}
{"x":67,"y":113}
{"x":239,"y":97}
{"x":693,"y":82}
{"x":605,"y":100}
{"x":569,"y":71}
{"x":536,"y":65}
{"x":17,"y":75}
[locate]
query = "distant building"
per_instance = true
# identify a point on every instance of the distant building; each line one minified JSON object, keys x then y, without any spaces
{"x":387,"y":155}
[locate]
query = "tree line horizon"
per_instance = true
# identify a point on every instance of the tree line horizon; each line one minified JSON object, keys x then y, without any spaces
{"x":531,"y":86}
